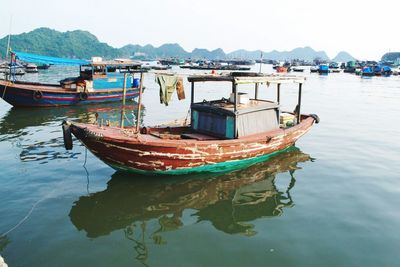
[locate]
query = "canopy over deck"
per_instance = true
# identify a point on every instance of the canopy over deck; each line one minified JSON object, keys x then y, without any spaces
{"x":248,"y":78}
{"x":79,"y":62}
{"x":237,"y":78}
{"x":49,"y":60}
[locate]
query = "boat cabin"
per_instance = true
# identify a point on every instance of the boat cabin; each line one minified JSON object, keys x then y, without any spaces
{"x":104,"y":75}
{"x":241,"y":115}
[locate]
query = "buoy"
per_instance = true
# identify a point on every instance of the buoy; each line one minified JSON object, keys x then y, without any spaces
{"x":67,"y":135}
{"x":37,"y":95}
{"x":315,"y":117}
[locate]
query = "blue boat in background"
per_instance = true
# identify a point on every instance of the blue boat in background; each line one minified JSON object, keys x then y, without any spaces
{"x":323,"y":69}
{"x":381,"y":70}
{"x":367,"y":72}
{"x":98,"y":82}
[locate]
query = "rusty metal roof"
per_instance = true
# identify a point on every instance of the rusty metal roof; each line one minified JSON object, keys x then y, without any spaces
{"x":246,"y":78}
{"x":117,"y":63}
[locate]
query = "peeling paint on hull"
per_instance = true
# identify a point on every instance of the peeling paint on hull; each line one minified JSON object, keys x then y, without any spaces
{"x":216,"y":167}
{"x":150,"y":155}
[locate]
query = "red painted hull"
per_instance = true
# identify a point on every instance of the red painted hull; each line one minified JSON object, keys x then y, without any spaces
{"x":24,"y":94}
{"x":149,"y":154}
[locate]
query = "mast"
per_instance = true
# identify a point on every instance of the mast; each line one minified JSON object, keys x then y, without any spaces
{"x":9,"y":37}
{"x":140,"y":103}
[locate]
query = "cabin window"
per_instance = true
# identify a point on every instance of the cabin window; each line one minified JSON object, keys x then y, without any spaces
{"x":111,"y":69}
{"x":86,"y":72}
{"x":99,"y":70}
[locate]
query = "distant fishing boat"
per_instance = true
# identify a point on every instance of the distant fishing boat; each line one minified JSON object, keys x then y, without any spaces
{"x":367,"y":72}
{"x":98,"y":82}
{"x":298,"y":69}
{"x":171,"y":61}
{"x":350,"y":67}
{"x":314,"y":69}
{"x":214,"y":66}
{"x":333,"y":65}
{"x":380,"y":70}
{"x":223,"y":134}
{"x":43,"y":66}
{"x":31,"y":68}
{"x":323,"y":69}
{"x":241,"y":62}
{"x":16,"y":69}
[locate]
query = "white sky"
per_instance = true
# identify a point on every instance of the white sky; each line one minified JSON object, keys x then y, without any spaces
{"x":366,"y":29}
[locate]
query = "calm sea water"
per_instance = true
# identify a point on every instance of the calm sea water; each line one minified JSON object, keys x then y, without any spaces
{"x":330,"y":201}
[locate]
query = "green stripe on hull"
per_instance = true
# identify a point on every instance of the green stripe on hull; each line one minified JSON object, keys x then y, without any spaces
{"x":214,"y":168}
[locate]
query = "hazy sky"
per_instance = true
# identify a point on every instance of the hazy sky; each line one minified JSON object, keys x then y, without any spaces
{"x":366,"y":29}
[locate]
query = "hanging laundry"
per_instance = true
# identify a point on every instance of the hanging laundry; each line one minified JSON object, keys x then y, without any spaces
{"x":168,"y":84}
{"x":180,"y":91}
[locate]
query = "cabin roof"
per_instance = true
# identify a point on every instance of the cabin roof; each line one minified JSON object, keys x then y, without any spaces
{"x":247,"y":78}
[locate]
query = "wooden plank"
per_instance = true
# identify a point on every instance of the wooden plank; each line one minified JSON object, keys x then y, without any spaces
{"x":270,"y":78}
{"x":197,"y":136}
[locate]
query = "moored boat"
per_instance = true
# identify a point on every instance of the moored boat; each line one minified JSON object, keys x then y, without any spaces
{"x":384,"y":70}
{"x":323,"y":69}
{"x":314,"y":69}
{"x":98,"y":82}
{"x":298,"y":69}
{"x":222,"y":135}
{"x":367,"y":72}
{"x":31,"y":68}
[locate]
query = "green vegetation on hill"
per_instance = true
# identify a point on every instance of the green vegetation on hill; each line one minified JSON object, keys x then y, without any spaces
{"x":83,"y":44}
{"x":71,"y":44}
{"x":391,"y":56}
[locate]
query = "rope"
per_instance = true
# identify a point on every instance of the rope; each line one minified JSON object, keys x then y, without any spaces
{"x":29,"y":212}
{"x":4,"y":92}
{"x":129,"y":121}
{"x":87,"y":172}
{"x":187,"y":116}
{"x":27,"y":215}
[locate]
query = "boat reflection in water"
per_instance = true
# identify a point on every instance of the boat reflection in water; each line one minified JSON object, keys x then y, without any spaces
{"x":21,"y":124}
{"x":230,"y":201}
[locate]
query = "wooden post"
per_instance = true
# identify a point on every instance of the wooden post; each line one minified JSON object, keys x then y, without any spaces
{"x":256,"y":91}
{"x":299,"y":104}
{"x":123,"y":104}
{"x":235,"y":100}
{"x":278,"y":93}
{"x":235,"y":96}
{"x":192,"y":94}
{"x":140,"y":103}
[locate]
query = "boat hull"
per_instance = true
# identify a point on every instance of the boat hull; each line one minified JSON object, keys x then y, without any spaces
{"x":147,"y":154}
{"x":40,"y":95}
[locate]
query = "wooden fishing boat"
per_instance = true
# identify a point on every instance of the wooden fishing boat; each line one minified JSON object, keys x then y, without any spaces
{"x":222,"y":135}
{"x":98,"y":82}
